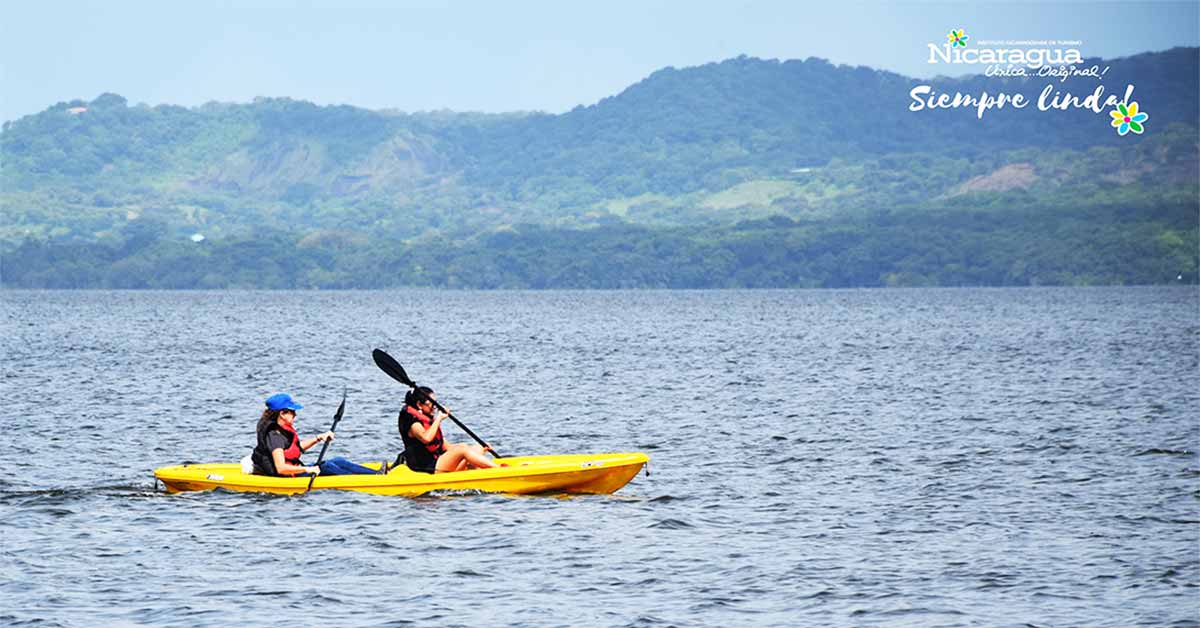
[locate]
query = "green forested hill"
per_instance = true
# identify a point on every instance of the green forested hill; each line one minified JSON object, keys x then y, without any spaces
{"x":740,"y":173}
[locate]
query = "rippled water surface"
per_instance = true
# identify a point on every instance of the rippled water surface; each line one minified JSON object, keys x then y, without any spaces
{"x":841,"y":458}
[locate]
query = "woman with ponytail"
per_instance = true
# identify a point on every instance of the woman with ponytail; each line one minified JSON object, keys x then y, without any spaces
{"x":425,"y":449}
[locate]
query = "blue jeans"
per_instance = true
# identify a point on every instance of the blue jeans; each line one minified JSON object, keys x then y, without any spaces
{"x":341,"y":466}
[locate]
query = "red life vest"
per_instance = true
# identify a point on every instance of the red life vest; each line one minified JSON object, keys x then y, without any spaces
{"x":293,"y":451}
{"x":435,"y":446}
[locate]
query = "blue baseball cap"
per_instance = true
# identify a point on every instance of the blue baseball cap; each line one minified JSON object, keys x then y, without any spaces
{"x":282,"y":401}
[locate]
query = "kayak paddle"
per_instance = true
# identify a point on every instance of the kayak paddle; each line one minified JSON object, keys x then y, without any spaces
{"x":336,"y":417}
{"x":389,"y":365}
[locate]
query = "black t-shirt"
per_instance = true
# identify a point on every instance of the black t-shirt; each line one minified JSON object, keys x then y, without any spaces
{"x":416,"y":454}
{"x":278,"y":440}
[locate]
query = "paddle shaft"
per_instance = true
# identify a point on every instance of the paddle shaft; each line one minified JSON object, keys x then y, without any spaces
{"x":325,"y":445}
{"x":466,"y":429}
{"x":321,"y":456}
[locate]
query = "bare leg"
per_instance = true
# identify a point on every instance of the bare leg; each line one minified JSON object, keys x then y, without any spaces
{"x":478,"y":459}
{"x":459,"y":457}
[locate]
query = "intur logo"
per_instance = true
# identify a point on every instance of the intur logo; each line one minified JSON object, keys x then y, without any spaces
{"x":1033,"y":54}
{"x":1025,"y":59}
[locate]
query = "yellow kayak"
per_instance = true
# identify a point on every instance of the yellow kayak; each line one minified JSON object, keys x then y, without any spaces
{"x":574,"y":473}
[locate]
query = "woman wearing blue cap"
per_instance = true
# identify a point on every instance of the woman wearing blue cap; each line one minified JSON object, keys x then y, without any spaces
{"x":279,"y":447}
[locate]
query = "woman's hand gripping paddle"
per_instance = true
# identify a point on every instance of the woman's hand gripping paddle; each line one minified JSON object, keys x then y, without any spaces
{"x":389,"y":365}
{"x":336,"y":417}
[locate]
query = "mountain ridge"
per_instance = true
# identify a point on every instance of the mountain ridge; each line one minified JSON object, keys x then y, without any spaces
{"x":700,"y":149}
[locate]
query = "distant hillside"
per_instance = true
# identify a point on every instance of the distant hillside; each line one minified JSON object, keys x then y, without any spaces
{"x":680,"y":130}
{"x":699,"y":149}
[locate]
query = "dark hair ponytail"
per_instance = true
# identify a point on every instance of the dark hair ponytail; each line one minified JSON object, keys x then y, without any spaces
{"x":417,"y":395}
{"x":269,"y":418}
{"x":411,"y":399}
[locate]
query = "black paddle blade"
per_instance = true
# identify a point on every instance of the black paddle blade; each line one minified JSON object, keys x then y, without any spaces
{"x":337,"y":416}
{"x":389,"y":365}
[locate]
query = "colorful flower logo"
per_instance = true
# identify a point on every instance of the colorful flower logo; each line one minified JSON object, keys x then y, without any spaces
{"x":1127,"y":119}
{"x":957,"y":38}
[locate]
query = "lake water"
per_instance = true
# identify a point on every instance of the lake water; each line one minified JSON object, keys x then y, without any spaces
{"x":959,"y":457}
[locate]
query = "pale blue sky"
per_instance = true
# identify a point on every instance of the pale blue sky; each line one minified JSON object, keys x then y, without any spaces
{"x":497,"y":56}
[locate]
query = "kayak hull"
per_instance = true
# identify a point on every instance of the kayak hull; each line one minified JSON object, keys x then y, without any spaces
{"x":573,"y":473}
